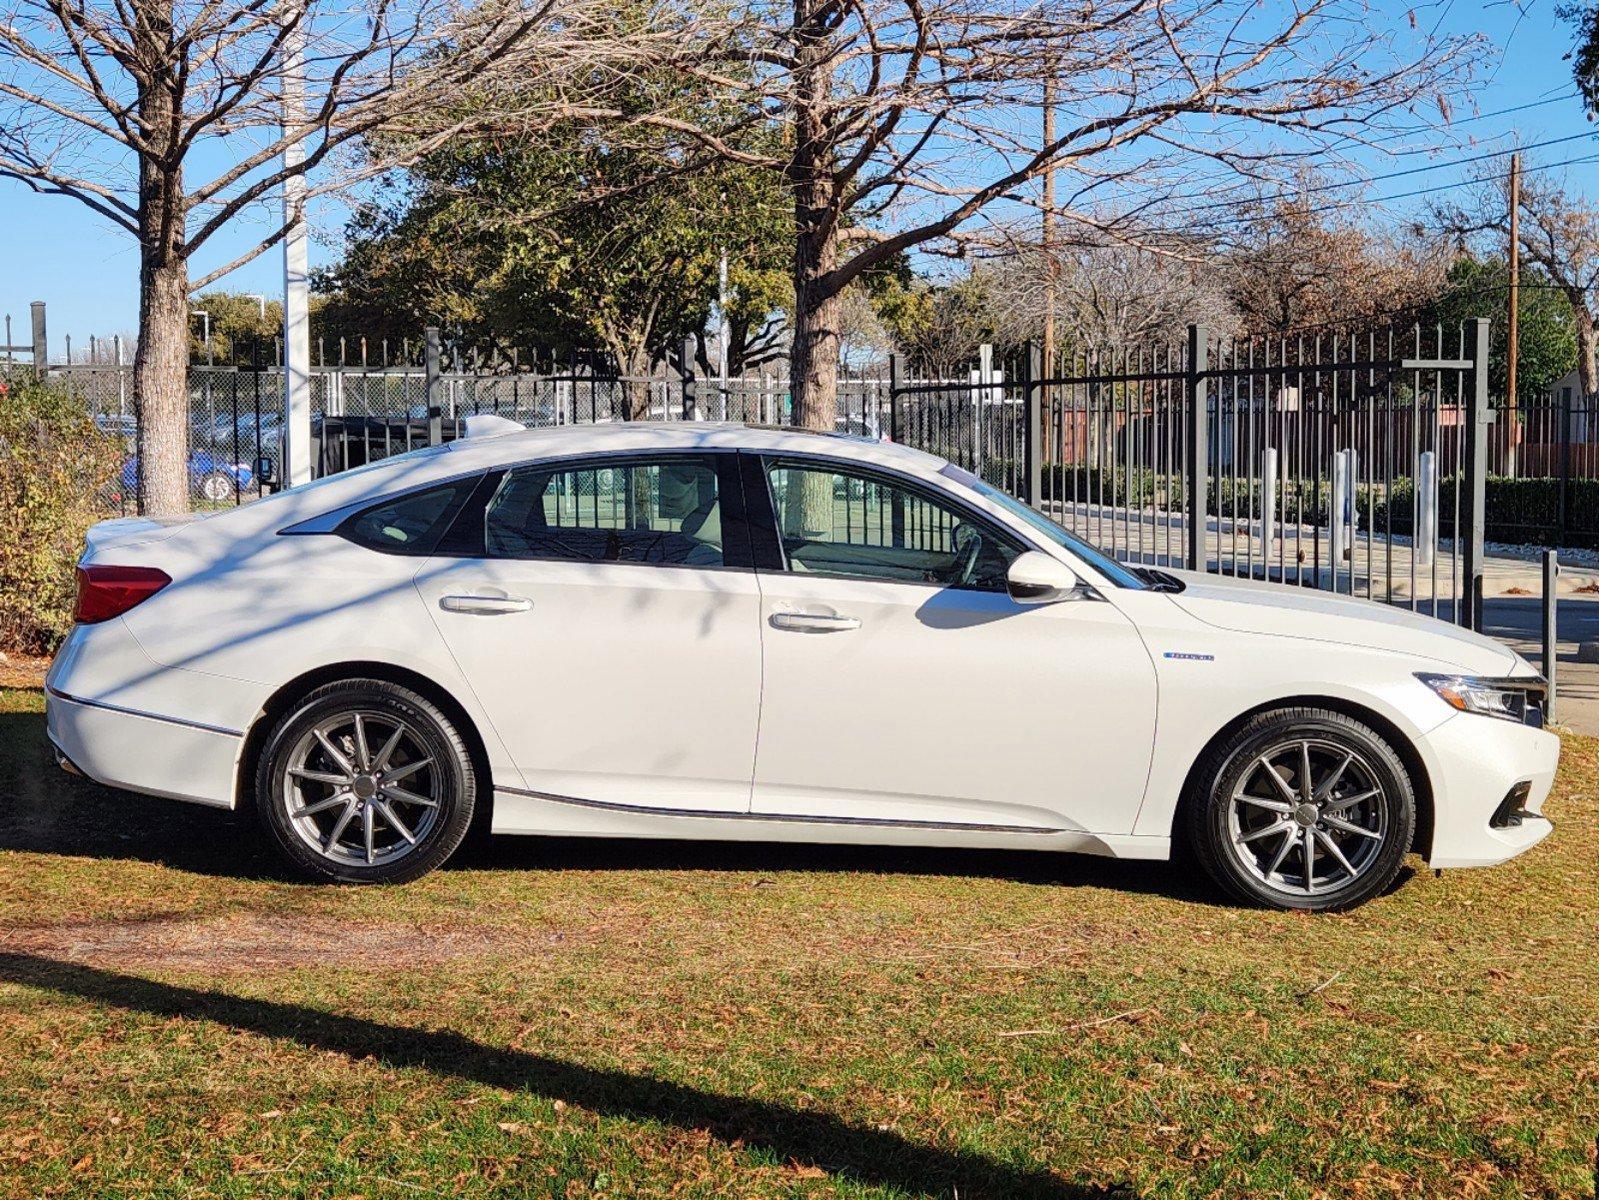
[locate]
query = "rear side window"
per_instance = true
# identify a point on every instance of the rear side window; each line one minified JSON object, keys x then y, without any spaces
{"x":667,"y":512}
{"x":410,"y":524}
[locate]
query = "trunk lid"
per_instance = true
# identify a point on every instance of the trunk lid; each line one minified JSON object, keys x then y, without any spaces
{"x":124,"y":532}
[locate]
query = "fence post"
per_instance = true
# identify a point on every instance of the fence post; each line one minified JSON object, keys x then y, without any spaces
{"x":1565,"y":458}
{"x":893,"y":398}
{"x":431,"y":382}
{"x":1033,"y":392}
{"x":1473,"y":519}
{"x":1197,"y":466}
{"x":41,"y":342}
{"x":1551,"y":580}
{"x":690,"y":385}
{"x":1268,"y":506}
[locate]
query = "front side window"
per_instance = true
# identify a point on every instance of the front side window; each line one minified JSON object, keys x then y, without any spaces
{"x":838,"y":522}
{"x":632,"y":511}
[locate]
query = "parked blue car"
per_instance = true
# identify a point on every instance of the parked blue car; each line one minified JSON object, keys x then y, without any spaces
{"x":211,"y":476}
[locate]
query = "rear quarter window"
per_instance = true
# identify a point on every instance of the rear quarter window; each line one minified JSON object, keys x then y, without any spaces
{"x":411,"y":524}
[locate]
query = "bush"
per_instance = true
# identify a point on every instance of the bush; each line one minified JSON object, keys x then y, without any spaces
{"x":53,"y":464}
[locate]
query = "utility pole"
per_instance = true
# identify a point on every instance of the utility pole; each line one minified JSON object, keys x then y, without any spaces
{"x":1512,"y":323}
{"x":1049,"y":230}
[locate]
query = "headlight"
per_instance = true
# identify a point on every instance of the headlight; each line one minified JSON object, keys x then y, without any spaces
{"x":1520,"y":699}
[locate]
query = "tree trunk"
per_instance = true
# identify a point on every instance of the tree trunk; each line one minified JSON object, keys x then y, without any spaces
{"x":160,"y":387}
{"x":160,"y":366}
{"x":1587,"y":330}
{"x":813,"y":356}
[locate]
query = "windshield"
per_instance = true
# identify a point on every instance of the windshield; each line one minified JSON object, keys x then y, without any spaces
{"x":1103,"y":563}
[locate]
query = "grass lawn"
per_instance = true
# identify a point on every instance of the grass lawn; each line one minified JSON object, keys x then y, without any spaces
{"x":559,"y":1018}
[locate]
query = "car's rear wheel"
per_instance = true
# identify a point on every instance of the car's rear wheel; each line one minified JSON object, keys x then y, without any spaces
{"x":365,"y":781}
{"x":1302,"y":808}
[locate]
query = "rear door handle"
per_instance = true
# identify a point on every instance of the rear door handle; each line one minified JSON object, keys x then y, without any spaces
{"x":485,"y":606}
{"x":800,"y":622}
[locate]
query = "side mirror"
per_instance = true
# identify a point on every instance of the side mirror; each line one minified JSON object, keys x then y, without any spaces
{"x":1036,"y":578}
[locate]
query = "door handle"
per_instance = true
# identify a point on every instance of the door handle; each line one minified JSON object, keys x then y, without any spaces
{"x":486,"y":606}
{"x":801,"y":622}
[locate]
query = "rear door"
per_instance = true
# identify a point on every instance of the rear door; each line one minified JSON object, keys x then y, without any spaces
{"x":606,"y":615}
{"x":903,"y":684}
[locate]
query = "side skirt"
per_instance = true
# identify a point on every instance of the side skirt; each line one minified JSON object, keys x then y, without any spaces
{"x":523,"y":812}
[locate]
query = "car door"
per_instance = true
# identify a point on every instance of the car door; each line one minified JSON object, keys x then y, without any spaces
{"x":902,"y":683}
{"x":606,"y":616}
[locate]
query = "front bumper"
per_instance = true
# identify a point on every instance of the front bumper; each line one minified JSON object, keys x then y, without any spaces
{"x":1474,"y":762}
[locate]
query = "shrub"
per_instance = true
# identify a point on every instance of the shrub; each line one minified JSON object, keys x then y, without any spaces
{"x":53,"y":465}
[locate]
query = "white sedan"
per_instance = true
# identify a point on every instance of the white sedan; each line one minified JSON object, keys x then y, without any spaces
{"x":713,"y":631}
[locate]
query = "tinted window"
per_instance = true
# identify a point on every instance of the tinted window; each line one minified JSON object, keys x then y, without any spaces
{"x":1107,"y":566}
{"x":666,"y":511}
{"x":411,"y":524}
{"x":838,"y":522}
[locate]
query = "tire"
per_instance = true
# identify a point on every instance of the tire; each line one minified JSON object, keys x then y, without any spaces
{"x":387,"y":814}
{"x":1249,"y":831}
{"x":216,"y":487}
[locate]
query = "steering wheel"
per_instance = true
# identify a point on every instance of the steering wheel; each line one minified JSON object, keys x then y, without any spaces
{"x":968,"y":547}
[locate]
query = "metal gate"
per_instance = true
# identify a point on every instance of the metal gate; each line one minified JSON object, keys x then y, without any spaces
{"x":1352,"y":462}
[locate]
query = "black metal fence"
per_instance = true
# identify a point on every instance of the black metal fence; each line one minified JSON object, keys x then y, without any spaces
{"x":1372,"y":463}
{"x":1353,"y":462}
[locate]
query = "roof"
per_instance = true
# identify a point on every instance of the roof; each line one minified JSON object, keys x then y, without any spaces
{"x":433,"y":464}
{"x":611,"y":437}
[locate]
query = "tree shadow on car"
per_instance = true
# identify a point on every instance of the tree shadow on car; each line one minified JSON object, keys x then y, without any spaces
{"x":869,"y":1157}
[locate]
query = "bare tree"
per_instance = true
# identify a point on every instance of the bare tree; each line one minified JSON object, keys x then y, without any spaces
{"x":119,"y":104}
{"x":1112,"y":294}
{"x":909,"y":123}
{"x":1292,"y":264}
{"x":1559,"y":233}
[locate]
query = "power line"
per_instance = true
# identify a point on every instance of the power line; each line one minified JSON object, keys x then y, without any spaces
{"x":1334,"y":185}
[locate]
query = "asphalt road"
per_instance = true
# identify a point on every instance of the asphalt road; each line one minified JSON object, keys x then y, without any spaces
{"x":1518,"y":620}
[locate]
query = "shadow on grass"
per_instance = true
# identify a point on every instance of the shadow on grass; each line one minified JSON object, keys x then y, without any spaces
{"x":47,"y":811}
{"x":866,"y":1156}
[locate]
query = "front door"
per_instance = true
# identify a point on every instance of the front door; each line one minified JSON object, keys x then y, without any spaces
{"x":609,"y":624}
{"x":903,"y":684}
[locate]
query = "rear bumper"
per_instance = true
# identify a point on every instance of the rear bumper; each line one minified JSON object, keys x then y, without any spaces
{"x":143,"y":752}
{"x":1476,"y":761}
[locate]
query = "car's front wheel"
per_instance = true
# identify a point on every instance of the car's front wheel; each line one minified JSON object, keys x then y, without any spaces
{"x":365,"y":781}
{"x":1302,"y":808}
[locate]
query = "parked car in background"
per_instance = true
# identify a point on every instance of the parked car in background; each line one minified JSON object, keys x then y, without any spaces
{"x":693,"y":630}
{"x":213,"y":476}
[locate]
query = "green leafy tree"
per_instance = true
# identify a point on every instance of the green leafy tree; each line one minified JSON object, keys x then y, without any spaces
{"x":238,"y":324}
{"x":1548,"y":340}
{"x":569,"y":243}
{"x":1585,"y":55}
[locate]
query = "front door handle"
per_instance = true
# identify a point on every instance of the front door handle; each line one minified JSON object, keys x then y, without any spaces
{"x":485,"y":606}
{"x":801,"y":622}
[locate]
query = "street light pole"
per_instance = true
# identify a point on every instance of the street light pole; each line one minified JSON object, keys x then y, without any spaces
{"x":296,"y":259}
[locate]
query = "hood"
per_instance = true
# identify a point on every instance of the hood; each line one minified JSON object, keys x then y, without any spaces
{"x":1249,"y":606}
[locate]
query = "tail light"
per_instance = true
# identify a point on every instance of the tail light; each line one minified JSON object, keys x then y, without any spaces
{"x":106,"y":592}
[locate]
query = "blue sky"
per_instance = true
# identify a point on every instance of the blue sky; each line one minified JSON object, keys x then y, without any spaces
{"x":57,"y":251}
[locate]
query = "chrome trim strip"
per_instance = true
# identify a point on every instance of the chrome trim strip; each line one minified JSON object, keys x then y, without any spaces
{"x":646,"y":810}
{"x":134,"y":712}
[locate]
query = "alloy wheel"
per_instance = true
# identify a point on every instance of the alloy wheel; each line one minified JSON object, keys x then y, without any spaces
{"x":362,"y":788}
{"x":1308,"y":816}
